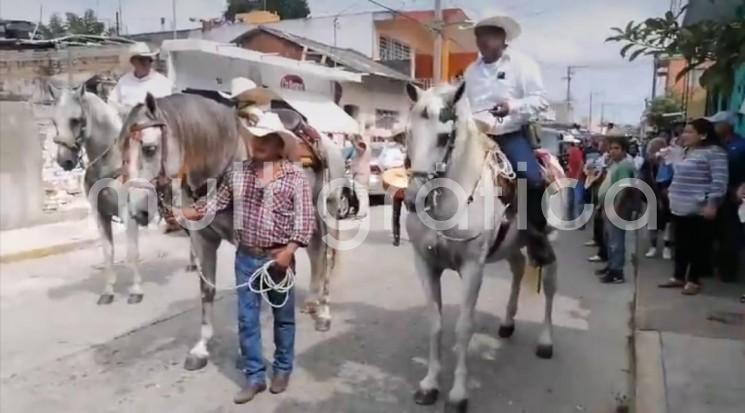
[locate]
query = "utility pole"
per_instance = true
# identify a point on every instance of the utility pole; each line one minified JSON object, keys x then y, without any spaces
{"x":173,"y":5}
{"x":120,"y":20}
{"x":602,"y":113}
{"x":568,"y":78}
{"x":437,"y":55}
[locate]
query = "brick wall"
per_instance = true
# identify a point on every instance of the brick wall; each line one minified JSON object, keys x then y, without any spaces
{"x":266,"y":43}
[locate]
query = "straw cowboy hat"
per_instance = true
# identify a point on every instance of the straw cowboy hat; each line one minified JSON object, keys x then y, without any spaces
{"x":142,"y":50}
{"x":510,"y":26}
{"x":244,"y":89}
{"x":395,"y":177}
{"x":270,"y":123}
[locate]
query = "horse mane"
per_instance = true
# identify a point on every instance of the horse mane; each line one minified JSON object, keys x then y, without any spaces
{"x":206,"y":133}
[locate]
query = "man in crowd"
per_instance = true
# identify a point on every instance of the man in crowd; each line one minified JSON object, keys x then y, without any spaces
{"x":575,"y":170}
{"x":505,"y":89}
{"x":143,"y":79}
{"x":620,"y":167}
{"x":729,"y":234}
{"x":274,"y":212}
{"x":360,"y":167}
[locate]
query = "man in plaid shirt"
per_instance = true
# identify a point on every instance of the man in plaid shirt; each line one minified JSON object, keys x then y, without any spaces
{"x":274,"y":217}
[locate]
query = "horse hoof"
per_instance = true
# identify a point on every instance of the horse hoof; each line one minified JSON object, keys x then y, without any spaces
{"x":135,"y":298}
{"x":310,"y":308}
{"x":191,"y":268}
{"x":194,"y":363}
{"x":323,"y":325}
{"x":544,"y":351}
{"x":105,"y":299}
{"x":506,"y":331}
{"x":456,"y":407}
{"x":426,"y":397}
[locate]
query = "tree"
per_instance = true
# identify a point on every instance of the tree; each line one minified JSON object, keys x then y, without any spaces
{"x":660,"y":110}
{"x":286,"y":9}
{"x":708,"y":41}
{"x":74,"y":24}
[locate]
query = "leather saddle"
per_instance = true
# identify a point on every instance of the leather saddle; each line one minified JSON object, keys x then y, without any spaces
{"x":309,"y":150}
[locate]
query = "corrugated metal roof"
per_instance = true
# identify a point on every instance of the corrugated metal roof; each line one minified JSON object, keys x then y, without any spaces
{"x":349,"y":58}
{"x":72,"y":40}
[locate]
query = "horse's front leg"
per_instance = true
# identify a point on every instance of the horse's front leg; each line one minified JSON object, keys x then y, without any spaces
{"x":206,"y":253}
{"x":429,"y":387}
{"x":517,"y":267}
{"x":133,"y":257}
{"x":472,"y":275}
{"x":107,"y":245}
{"x":545,"y":348}
{"x":320,"y":267}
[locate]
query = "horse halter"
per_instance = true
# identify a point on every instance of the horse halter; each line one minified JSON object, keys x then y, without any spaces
{"x":447,"y":114}
{"x":135,"y":134}
{"x":77,"y":145}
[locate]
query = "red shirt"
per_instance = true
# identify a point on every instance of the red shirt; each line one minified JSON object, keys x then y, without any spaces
{"x":266,"y":215}
{"x":576,"y":163}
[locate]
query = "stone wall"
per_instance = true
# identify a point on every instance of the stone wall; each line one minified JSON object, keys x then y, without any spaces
{"x":24,"y":74}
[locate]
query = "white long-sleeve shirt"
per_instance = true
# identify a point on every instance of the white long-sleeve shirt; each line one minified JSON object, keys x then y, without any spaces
{"x":131,"y":90}
{"x":515,"y":79}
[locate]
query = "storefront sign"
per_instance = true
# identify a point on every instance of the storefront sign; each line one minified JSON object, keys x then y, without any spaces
{"x":292,"y":82}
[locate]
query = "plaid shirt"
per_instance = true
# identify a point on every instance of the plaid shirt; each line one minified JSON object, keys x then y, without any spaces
{"x":264,"y":215}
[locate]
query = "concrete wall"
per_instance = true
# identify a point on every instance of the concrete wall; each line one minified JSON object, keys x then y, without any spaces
{"x":21,"y":191}
{"x":376,"y":93}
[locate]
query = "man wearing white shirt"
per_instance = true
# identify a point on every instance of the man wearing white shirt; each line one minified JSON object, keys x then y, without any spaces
{"x":505,"y":89}
{"x":134,"y":86}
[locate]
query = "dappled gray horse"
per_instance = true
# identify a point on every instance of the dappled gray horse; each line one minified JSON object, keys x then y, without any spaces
{"x":85,"y":122}
{"x":446,"y":148}
{"x":197,"y":139}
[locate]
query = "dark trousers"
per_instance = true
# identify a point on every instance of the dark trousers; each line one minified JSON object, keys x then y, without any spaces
{"x":397,"y":204}
{"x":599,"y":235}
{"x":729,"y":240}
{"x":693,"y":237}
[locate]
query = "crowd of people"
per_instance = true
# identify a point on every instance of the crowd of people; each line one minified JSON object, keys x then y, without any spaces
{"x":697,"y":176}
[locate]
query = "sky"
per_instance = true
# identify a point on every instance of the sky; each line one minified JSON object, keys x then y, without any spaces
{"x":557,"y":33}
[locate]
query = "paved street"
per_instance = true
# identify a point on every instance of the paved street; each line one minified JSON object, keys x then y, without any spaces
{"x":63,"y":353}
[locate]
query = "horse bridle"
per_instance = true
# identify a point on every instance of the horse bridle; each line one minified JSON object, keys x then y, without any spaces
{"x":77,"y":145}
{"x":440,"y":168}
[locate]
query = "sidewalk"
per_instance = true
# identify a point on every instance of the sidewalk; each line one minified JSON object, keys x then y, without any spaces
{"x":690,"y":351}
{"x":49,"y":239}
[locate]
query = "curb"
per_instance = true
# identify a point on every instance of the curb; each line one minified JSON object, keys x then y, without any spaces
{"x":46,"y":251}
{"x":651,"y":394}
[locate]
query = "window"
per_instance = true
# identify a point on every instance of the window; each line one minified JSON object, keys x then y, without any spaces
{"x":352,"y":110}
{"x":391,"y":49}
{"x":386,"y":119}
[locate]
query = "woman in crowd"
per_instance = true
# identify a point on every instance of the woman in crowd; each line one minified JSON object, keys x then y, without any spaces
{"x":657,"y":173}
{"x":698,"y":188}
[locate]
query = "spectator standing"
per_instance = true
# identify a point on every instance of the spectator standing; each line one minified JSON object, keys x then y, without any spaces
{"x":698,"y":189}
{"x":360,"y":167}
{"x":657,"y":174}
{"x":575,"y":170}
{"x":595,"y":173}
{"x":620,"y":167}
{"x":729,"y":234}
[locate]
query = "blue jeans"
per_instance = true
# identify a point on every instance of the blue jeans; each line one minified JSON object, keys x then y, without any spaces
{"x":249,"y":325}
{"x":616,"y":239}
{"x":579,"y":199}
{"x":517,"y":148}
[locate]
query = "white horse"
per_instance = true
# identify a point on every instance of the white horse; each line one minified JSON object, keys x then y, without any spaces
{"x":444,"y":142}
{"x":85,"y":122}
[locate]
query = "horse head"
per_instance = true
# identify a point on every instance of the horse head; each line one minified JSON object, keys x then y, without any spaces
{"x":432,"y":133}
{"x":144,"y":150}
{"x":70,"y":121}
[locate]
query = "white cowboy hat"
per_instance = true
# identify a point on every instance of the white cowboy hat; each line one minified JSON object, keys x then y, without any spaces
{"x":242,"y":88}
{"x":510,"y":26}
{"x":142,"y":50}
{"x":270,"y":123}
{"x":569,"y":138}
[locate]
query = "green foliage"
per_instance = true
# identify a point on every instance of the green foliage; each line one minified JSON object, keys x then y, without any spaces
{"x":703,"y":42}
{"x":88,"y":23}
{"x":659,"y":107}
{"x":286,"y":9}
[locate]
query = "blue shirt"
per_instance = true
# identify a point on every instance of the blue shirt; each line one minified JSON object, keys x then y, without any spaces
{"x":736,"y":155}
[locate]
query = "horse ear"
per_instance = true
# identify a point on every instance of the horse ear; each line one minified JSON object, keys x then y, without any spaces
{"x":150,"y":103}
{"x":413,"y":91}
{"x":81,"y":92}
{"x":53,"y":91}
{"x":459,"y":93}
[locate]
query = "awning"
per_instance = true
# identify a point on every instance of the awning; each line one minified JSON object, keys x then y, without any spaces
{"x":322,"y":113}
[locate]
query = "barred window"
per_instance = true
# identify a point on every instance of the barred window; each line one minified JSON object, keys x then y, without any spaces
{"x":386,"y":119}
{"x":392,"y":49}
